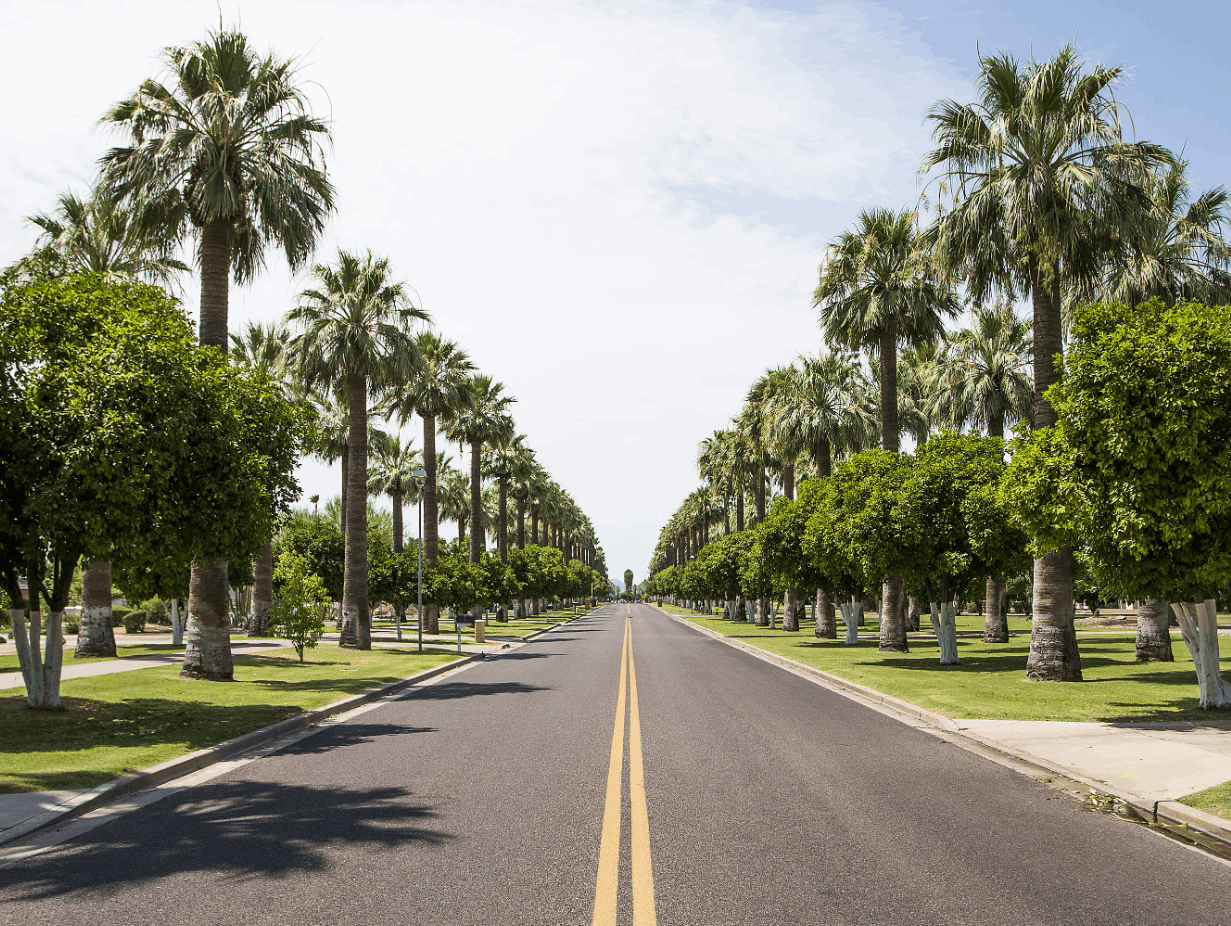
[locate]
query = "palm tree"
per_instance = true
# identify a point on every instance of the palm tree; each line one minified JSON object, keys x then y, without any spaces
{"x":261,"y":349}
{"x":1042,"y":182}
{"x":226,"y":152}
{"x":100,"y":235}
{"x":393,"y":475}
{"x":356,"y":333}
{"x":482,"y":419}
{"x":878,"y":288}
{"x":1177,"y":249}
{"x":435,"y":393}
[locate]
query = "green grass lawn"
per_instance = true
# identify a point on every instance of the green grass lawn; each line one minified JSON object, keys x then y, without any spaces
{"x":120,"y":723}
{"x":990,"y":681}
{"x":1216,"y":800}
{"x":9,"y":663}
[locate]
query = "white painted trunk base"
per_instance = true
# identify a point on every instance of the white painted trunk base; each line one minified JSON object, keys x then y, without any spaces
{"x":1199,"y":626}
{"x":177,"y":624}
{"x":40,"y":671}
{"x":944,"y":624}
{"x":851,"y":612}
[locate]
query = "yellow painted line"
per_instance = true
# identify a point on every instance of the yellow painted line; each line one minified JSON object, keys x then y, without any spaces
{"x":642,"y":868}
{"x":607,"y":886}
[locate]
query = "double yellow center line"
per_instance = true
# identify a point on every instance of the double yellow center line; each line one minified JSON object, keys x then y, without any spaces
{"x":607,"y":889}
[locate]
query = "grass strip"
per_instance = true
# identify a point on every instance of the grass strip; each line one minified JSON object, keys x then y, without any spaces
{"x":1216,"y":800}
{"x":120,"y":723}
{"x":990,"y":680}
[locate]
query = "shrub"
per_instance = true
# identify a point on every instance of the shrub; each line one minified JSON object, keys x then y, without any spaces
{"x":71,"y":625}
{"x":298,"y":614}
{"x":117,"y":616}
{"x":155,"y":610}
{"x":134,"y":621}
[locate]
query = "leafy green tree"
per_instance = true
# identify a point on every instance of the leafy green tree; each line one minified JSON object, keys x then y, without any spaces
{"x":781,"y":538}
{"x":628,"y":581}
{"x":355,"y":333}
{"x":225,"y":152}
{"x":299,"y":612}
{"x":1042,"y":183}
{"x":950,"y":527}
{"x":92,"y":371}
{"x":318,"y":539}
{"x":1138,"y":463}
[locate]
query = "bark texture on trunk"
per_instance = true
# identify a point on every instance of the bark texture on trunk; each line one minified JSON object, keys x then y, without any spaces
{"x":1153,"y":642}
{"x":893,"y":616}
{"x":476,"y":501}
{"x":521,"y":524}
{"x":96,"y":637}
{"x":995,"y":614}
{"x":790,"y":611}
{"x":739,"y":511}
{"x":398,"y":526}
{"x":262,"y":591}
{"x":889,"y":389}
{"x":788,"y":480}
{"x":207,"y":635}
{"x":356,"y":618}
{"x":852,"y":614}
{"x":824,"y":464}
{"x":207,"y":654}
{"x":826,"y":622}
{"x":1053,"y":640}
{"x":912,"y":614}
{"x":502,"y":523}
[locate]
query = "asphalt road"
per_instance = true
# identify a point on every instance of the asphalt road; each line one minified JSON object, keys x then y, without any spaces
{"x":480,"y":799}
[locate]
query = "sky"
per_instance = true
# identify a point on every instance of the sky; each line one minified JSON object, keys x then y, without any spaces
{"x":618,"y":209}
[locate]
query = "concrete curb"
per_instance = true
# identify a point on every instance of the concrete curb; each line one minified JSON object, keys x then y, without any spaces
{"x":1205,"y":829}
{"x":183,"y":765}
{"x":193,"y":761}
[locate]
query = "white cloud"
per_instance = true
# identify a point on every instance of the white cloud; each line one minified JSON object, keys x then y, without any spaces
{"x":586,"y":195}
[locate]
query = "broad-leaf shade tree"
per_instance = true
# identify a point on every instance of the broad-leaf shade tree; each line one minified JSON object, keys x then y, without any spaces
{"x":1042,"y":181}
{"x":224,"y":148}
{"x":355,"y":335}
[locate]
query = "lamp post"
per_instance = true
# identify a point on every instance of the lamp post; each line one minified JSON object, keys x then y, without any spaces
{"x":419,"y":476}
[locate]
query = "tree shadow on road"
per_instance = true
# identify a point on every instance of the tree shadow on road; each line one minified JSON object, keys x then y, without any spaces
{"x":341,"y":735}
{"x":452,"y":690}
{"x":240,"y":830}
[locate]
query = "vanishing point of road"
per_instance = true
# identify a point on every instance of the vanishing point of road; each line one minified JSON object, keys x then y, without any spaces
{"x":624,"y":769}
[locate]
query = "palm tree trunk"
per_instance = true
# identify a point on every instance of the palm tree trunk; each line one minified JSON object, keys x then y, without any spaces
{"x":824,"y":464}
{"x":826,"y":620}
{"x":262,"y":590}
{"x":893,"y":615}
{"x":1153,"y":637}
{"x":1053,"y":641}
{"x":790,"y":611}
{"x":534,"y":526}
{"x":889,"y":389}
{"x":95,"y":637}
{"x":430,"y":618}
{"x":739,"y":511}
{"x":207,"y":654}
{"x":760,"y":495}
{"x":477,"y":540}
{"x":397,"y":521}
{"x":995,"y":616}
{"x":461,"y":531}
{"x":788,"y":480}
{"x":521,"y":524}
{"x":356,"y":620}
{"x":995,"y":425}
{"x":502,"y":521}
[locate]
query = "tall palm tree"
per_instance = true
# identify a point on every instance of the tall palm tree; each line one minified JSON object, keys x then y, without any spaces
{"x":393,"y":475}
{"x":355,"y":330}
{"x":1177,"y":250}
{"x":482,"y":419}
{"x":435,"y":393}
{"x":230,"y":154}
{"x":878,"y":289}
{"x":262,"y":350}
{"x":100,"y":236}
{"x":1042,"y":183}
{"x":454,"y":496}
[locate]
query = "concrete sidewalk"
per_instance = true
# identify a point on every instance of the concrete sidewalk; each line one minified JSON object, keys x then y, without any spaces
{"x":1154,"y":761}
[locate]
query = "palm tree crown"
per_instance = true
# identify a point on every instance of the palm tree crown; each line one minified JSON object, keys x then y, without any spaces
{"x":985,"y":380}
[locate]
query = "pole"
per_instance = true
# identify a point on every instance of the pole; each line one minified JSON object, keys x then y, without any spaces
{"x":420,"y":558}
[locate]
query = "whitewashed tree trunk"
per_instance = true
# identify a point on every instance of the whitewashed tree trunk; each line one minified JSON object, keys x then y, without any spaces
{"x":177,"y":625}
{"x":851,"y":611}
{"x":40,"y":672}
{"x":790,"y":611}
{"x":944,"y":624}
{"x":1199,"y":626}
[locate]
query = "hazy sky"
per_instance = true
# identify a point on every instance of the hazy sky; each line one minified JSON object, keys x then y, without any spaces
{"x":618,"y":209}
